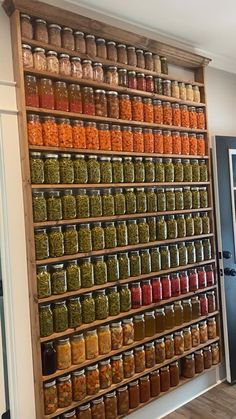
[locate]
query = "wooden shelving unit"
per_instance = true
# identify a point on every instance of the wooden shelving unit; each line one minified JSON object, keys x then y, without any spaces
{"x":175,"y":56}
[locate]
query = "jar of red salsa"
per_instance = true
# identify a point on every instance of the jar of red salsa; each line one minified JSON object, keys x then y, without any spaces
{"x":136,"y":295}
{"x":46,"y":94}
{"x":61,"y":96}
{"x":75,"y":99}
{"x":202,"y":280}
{"x":204,"y":304}
{"x":88,"y":101}
{"x":175,"y":285}
{"x":146,"y":292}
{"x":156,"y":290}
{"x":166,"y":287}
{"x":193,"y":280}
{"x":210,"y":275}
{"x":184,"y":282}
{"x":31,"y":92}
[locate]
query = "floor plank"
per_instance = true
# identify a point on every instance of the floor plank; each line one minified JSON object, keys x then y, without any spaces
{"x":217,"y":403}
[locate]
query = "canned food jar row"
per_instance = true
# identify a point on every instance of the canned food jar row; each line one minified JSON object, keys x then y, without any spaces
{"x":61,"y":132}
{"x":78,"y":385}
{"x":74,"y":275}
{"x":76,"y":169}
{"x":65,"y":352}
{"x":75,"y":40}
{"x":45,"y":93}
{"x":83,"y":238}
{"x":69,"y":204}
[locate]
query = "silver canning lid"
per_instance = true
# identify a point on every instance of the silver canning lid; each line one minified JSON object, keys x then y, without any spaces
{"x":52,"y":53}
{"x":26,"y":46}
{"x":39,"y":50}
{"x":52,"y":383}
{"x":54,"y":25}
{"x":40,"y":21}
{"x":67,"y":29}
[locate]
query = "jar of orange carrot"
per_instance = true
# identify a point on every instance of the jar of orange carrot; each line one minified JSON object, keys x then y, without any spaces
{"x":125,"y":107}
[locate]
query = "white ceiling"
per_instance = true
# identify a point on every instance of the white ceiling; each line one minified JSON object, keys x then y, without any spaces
{"x":207,"y":25}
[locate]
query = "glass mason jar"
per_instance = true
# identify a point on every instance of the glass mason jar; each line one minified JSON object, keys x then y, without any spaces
{"x":116,"y":136}
{"x":132,"y":80}
{"x":43,"y":282}
{"x":39,"y":59}
{"x":99,"y":270}
{"x":125,"y":298}
{"x":128,"y":364}
{"x":79,"y":389}
{"x":111,"y":51}
{"x":172,"y":230}
{"x":203,"y":171}
{"x":114,"y":301}
{"x":105,"y":169}
{"x":101,"y":48}
{"x":82,"y":204}
{"x":73,"y":276}
{"x":174,"y":255}
{"x":150,"y":323}
{"x":124,"y":268}
{"x":183,"y":256}
{"x":187,"y":338}
{"x":105,"y":376}
{"x":50,"y":397}
{"x":92,"y":380}
{"x":155,"y":259}
{"x":119,"y":202}
{"x":45,"y":320}
{"x":148,"y":110}
{"x":98,"y":239}
{"x":116,"y":335}
{"x":187,"y":310}
{"x":135,"y":264}
{"x":94,"y":172}
{"x":108,"y":206}
{"x":151,"y":198}
{"x":143,"y":230}
{"x":203,"y":197}
{"x":31,"y":91}
{"x":91,"y":48}
{"x":35,"y":130}
{"x":56,"y":242}
{"x":39,"y":206}
{"x":88,"y":308}
{"x":117,"y":369}
{"x":68,"y":205}
{"x":100,"y":101}
{"x":76,"y":68}
{"x":122,"y":77}
{"x":60,"y":316}
{"x":191,"y":252}
{"x":58,"y":279}
{"x":98,"y":73}
{"x":66,"y":168}
{"x":88,"y":101}
{"x":122,"y":56}
{"x":52,"y":62}
{"x":117,"y":170}
{"x":128,"y":167}
{"x":87,"y":273}
{"x":127,"y":138}
{"x":91,"y":344}
{"x":121,"y":233}
{"x":125,"y":107}
{"x":46,"y":94}
{"x":137,"y":110}
{"x":169,"y":170}
{"x":165,"y":258}
{"x":75,"y":99}
{"x":74,"y":312}
{"x":128,"y":331}
{"x":110,"y":235}
{"x":64,"y":133}
{"x":112,"y":104}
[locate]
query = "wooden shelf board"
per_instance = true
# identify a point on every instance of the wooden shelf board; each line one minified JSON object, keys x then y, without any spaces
{"x":128,"y":380}
{"x":114,"y":185}
{"x":106,"y":86}
{"x":113,"y":153}
{"x":59,"y":50}
{"x":120,"y":249}
{"x":118,"y":217}
{"x":99,"y":358}
{"x":74,"y":115}
{"x":113,"y":319}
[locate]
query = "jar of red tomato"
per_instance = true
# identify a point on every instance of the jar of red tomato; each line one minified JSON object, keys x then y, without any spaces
{"x":184,"y":282}
{"x":156,"y":289}
{"x":132,"y":80}
{"x":46,"y":94}
{"x":136,"y":295}
{"x":175,"y":284}
{"x":141,"y":82}
{"x":193,"y":280}
{"x":88,"y":101}
{"x":166,"y":286}
{"x":146,"y":292}
{"x":75,"y":98}
{"x":31,"y":92}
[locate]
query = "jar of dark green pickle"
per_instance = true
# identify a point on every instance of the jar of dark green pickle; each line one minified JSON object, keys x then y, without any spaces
{"x":39,"y":207}
{"x":179,"y":199}
{"x":161,"y":199}
{"x":117,"y":170}
{"x":203,"y":171}
{"x":135,"y":263}
{"x":195,"y":198}
{"x":105,"y":169}
{"x":203,"y":197}
{"x":41,"y":244}
{"x":112,"y":268}
{"x":45,"y":320}
{"x":82,"y":204}
{"x":101,"y":305}
{"x":128,"y":167}
{"x":71,"y":245}
{"x":121,"y":233}
{"x":110,"y":235}
{"x":133,"y":232}
{"x":165,"y":257}
{"x":195,"y":170}
{"x":191,"y":252}
{"x":130,"y":199}
{"x":73,"y":276}
{"x":108,"y":205}
{"x":183,"y":254}
{"x":143,"y":230}
{"x":152,"y":224}
{"x":88,"y":308}
{"x":43,"y":282}
{"x":161,"y":228}
{"x":189,"y":225}
{"x":206,"y":228}
{"x":68,"y":205}
{"x":172,"y":230}
{"x":113,"y":301}
{"x":174,"y":255}
{"x":98,"y":239}
{"x":199,"y":251}
{"x":178,"y":170}
{"x":149,"y":166}
{"x":170,"y":199}
{"x":60,"y":316}
{"x":66,"y":169}
{"x":74,"y":312}
{"x":95,"y":203}
{"x":169,"y":170}
{"x":188,"y":201}
{"x":197,"y":224}
{"x":141,"y":200}
{"x":86,"y":273}
{"x":207,"y":249}
{"x":119,"y":202}
{"x":145,"y":261}
{"x":139,"y":170}
{"x":181,"y":225}
{"x":188,"y":171}
{"x":93,"y":166}
{"x":155,"y":259}
{"x":151,"y":200}
{"x":58,"y":279}
{"x":54,"y":206}
{"x":159,"y":170}
{"x":84,"y":238}
{"x":100,"y":270}
{"x":51,"y":169}
{"x":125,"y":298}
{"x":80,"y":169}
{"x":37,"y":168}
{"x":124,"y":268}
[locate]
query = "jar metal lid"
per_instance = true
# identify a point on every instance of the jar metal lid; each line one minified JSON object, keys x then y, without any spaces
{"x":52,"y":383}
{"x":67,"y":29}
{"x":54,"y":25}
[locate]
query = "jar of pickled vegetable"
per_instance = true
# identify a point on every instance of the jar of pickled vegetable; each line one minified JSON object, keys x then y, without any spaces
{"x":110,"y":235}
{"x":77,"y":349}
{"x":68,"y":205}
{"x":149,"y":168}
{"x":58,"y":279}
{"x":195,"y":335}
{"x":160,"y":351}
{"x":158,"y":119}
{"x":199,"y":251}
{"x":187,"y":339}
{"x":195,"y":197}
{"x":169,"y":170}
{"x":43,"y":282}
{"x":161,"y":199}
{"x":172,"y":231}
{"x":92,"y":380}
{"x":135,"y":263}
{"x":161,"y":228}
{"x":165,"y":259}
{"x":215,"y":354}
{"x":146,"y":286}
{"x":132,"y":80}
{"x":125,"y":107}
{"x":75,"y":100}
{"x":78,"y":387}
{"x":50,"y":397}
{"x":170,"y":199}
{"x":167,"y":113}
{"x":125,"y":295}
{"x":70,"y":240}
{"x":101,"y":305}
{"x":84,"y":412}
{"x":201,"y":123}
{"x":39,"y":206}
{"x":139,"y":327}
{"x":88,"y":101}
{"x":130,"y":198}
{"x":113,"y":301}
{"x":160,"y":171}
{"x":203,"y":331}
{"x":191,"y":252}
{"x":211,"y":301}
{"x":66,"y":168}
{"x":91,"y":344}
{"x":56,"y":242}
{"x":100,"y":270}
{"x":188,"y":370}
{"x":122,"y":234}
{"x":151,"y":200}
{"x":113,"y":76}
{"x":211,"y":328}
{"x":128,"y":364}
{"x":116,"y":335}
{"x":199,"y":362}
{"x":88,"y":308}
{"x":152,"y":228}
{"x":63,"y":354}
{"x":111,"y":405}
{"x":128,"y":331}
{"x":117,"y":170}
{"x":34,"y":129}
{"x":127,"y":138}
{"x":117,"y":369}
{"x":137,"y":109}
{"x":143,"y":231}
{"x":98,"y":238}
{"x":113,"y":104}
{"x":98,"y":74}
{"x":108,"y":205}
{"x":181,"y":226}
{"x":116,"y":135}
{"x":124,"y":272}
{"x":204,"y":304}
{"x":60,"y":316}
{"x":105,"y":375}
{"x":196,"y":309}
{"x":76,"y":68}
{"x":95,"y":202}
{"x":139,"y":358}
{"x":36,"y":168}
{"x":45,"y":320}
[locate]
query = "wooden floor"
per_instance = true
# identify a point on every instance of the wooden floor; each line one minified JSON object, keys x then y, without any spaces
{"x":217,"y":403}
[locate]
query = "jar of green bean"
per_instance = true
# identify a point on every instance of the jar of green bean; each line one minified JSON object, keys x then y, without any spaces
{"x":152,"y":224}
{"x":207,"y":249}
{"x":165,"y":257}
{"x":98,"y":239}
{"x":195,"y":170}
{"x":66,"y":169}
{"x":203,"y":171}
{"x":199,"y":251}
{"x":135,"y":263}
{"x":74,"y":312}
{"x":100,"y":270}
{"x":188,"y":202}
{"x":68,"y":205}
{"x":60,"y":316}
{"x":88,"y":308}
{"x":141,"y":200}
{"x":121,"y":233}
{"x":159,"y":170}
{"x":82,"y":204}
{"x":133,"y":232}
{"x":80,"y":169}
{"x":188,"y":171}
{"x":94,"y":173}
{"x":58,"y":279}
{"x":179,"y":199}
{"x":124,"y":267}
{"x":71,"y":245}
{"x":197,"y":224}
{"x":84,"y":238}
{"x":151,"y":200}
{"x":117,"y":170}
{"x":172,"y":230}
{"x":108,"y":205}
{"x":119,"y":202}
{"x":105,"y":169}
{"x":51,"y":169}
{"x":73,"y":276}
{"x":143,"y":230}
{"x":183,"y":254}
{"x":43,"y":282}
{"x":161,"y":199}
{"x":39,"y":207}
{"x":101,"y":305}
{"x":189,"y":225}
{"x":145,"y":261}
{"x":181,"y":225}
{"x":149,"y":167}
{"x":113,"y":301}
{"x":86,"y":273}
{"x":54,"y":206}
{"x":191,"y":252}
{"x":125,"y":298}
{"x":155,"y":259}
{"x":112,"y":268}
{"x":174,"y":255}
{"x":206,"y":228}
{"x":203,"y":197}
{"x":128,"y":167}
{"x":45,"y":320}
{"x":170,"y":199}
{"x":139,"y":170}
{"x":195,"y":197}
{"x":130,"y":199}
{"x":37,"y":168}
{"x":161,"y":228}
{"x":41,"y":244}
{"x":178,"y":170}
{"x":169,"y":170}
{"x":110,"y":235}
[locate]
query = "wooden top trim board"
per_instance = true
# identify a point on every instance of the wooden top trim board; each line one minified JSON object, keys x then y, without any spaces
{"x":53,"y":14}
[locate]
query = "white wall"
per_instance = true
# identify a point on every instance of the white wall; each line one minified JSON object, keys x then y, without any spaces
{"x":221,"y":96}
